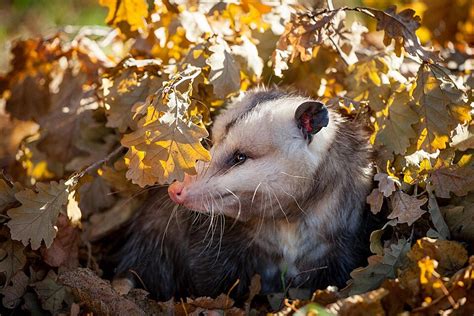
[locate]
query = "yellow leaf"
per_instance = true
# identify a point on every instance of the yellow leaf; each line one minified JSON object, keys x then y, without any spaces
{"x":132,"y":12}
{"x":427,"y":269}
{"x":434,"y":95}
{"x":166,"y":143}
{"x":396,"y":130}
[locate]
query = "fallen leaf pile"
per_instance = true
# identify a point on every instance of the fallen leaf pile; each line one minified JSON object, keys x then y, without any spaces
{"x":90,"y":121}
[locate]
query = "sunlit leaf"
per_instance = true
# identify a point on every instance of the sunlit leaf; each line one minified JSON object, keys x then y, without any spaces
{"x":129,"y":15}
{"x":396,"y":128}
{"x":224,"y":75}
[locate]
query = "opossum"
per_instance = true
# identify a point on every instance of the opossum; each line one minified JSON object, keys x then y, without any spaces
{"x":282,"y":197}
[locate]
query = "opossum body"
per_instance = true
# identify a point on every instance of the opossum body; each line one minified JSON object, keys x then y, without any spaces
{"x":283,"y":197}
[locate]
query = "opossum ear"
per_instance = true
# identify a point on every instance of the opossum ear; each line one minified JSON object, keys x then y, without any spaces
{"x":311,"y":117}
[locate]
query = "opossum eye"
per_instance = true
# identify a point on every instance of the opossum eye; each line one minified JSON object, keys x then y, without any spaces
{"x":238,"y":158}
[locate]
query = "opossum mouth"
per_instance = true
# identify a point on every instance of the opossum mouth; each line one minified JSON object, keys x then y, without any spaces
{"x":207,"y":208}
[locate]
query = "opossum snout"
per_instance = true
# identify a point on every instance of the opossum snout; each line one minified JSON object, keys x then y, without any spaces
{"x":178,"y":190}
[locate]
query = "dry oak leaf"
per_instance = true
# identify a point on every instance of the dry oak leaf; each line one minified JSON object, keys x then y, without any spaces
{"x":95,"y":195}
{"x":459,"y":290}
{"x":365,"y":304}
{"x":126,"y":12}
{"x":437,"y":99}
{"x":460,"y":218}
{"x":7,"y":195}
{"x":379,"y":268}
{"x":171,"y":152}
{"x":61,"y":127}
{"x":30,"y":98}
{"x":396,"y":128}
{"x":165,"y":147}
{"x":406,"y":208}
{"x":50,"y":293}
{"x":306,"y":31}
{"x":450,"y":255}
{"x":64,"y":250}
{"x":13,"y":293}
{"x":459,"y":180}
{"x":464,"y":137}
{"x":34,"y":220}
{"x":375,"y":200}
{"x":12,"y":258}
{"x":128,"y":88}
{"x":402,"y":28}
{"x":386,"y":183}
{"x":224,"y":74}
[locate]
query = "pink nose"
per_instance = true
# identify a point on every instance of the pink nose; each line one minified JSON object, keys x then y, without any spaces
{"x":178,"y":190}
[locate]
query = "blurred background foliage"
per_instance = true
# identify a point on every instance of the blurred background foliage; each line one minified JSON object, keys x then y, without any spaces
{"x":442,"y":20}
{"x":27,"y":18}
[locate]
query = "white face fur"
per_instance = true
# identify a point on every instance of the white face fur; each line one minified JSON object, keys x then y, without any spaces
{"x":276,"y":164}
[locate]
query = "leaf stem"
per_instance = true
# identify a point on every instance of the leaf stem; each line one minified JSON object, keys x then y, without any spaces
{"x":97,"y":164}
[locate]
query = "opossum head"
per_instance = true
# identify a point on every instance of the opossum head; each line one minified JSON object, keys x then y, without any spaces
{"x":266,"y":149}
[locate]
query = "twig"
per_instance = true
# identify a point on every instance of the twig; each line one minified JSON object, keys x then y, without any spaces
{"x":97,"y":164}
{"x":338,"y":49}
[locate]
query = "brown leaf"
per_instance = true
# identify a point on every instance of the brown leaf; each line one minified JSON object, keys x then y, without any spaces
{"x":460,"y":218}
{"x":50,"y":293}
{"x":464,"y":137}
{"x":131,"y":83}
{"x":225,"y":74}
{"x":406,"y":208}
{"x":220,"y":302}
{"x":13,"y":293}
{"x":375,"y":200}
{"x":435,"y":94}
{"x":12,"y":258}
{"x":7,"y":195}
{"x":365,"y":304}
{"x":30,"y":98}
{"x":451,"y":255}
{"x":386,"y":183}
{"x":34,"y":220}
{"x":95,"y":196}
{"x":61,"y":126}
{"x":459,"y":180}
{"x":64,"y":250}
{"x":402,"y":28}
